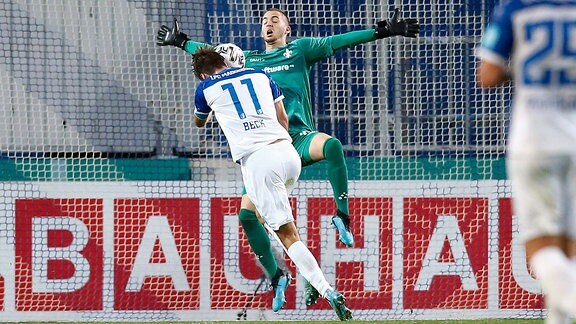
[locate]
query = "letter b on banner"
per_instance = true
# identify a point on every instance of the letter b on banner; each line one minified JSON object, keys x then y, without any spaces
{"x":58,"y":254}
{"x":70,"y":252}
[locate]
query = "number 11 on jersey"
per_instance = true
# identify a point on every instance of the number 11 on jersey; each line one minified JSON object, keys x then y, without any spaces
{"x":237,"y":103}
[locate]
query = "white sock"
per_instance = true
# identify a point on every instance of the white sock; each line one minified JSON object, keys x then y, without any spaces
{"x":557,"y":276}
{"x":556,"y":316}
{"x":308,"y":267}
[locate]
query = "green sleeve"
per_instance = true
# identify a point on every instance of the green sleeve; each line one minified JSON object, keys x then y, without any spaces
{"x":318,"y":48}
{"x":352,"y":38}
{"x":314,"y":49}
{"x":192,"y":46}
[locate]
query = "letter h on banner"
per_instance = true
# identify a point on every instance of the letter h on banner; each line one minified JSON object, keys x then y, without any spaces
{"x":363,"y":273}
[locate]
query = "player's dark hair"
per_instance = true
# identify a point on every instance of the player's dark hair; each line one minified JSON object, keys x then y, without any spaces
{"x":280,"y":11}
{"x":206,"y":61}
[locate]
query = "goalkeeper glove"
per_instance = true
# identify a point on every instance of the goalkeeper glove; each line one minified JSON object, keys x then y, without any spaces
{"x":173,"y":37}
{"x":396,"y":26}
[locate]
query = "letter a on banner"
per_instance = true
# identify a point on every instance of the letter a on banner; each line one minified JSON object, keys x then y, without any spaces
{"x":156,"y":254}
{"x":445,"y":253}
{"x":446,"y":230}
{"x":157,"y":229}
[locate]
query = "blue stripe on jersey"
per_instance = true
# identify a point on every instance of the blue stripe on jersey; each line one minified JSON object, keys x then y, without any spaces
{"x":499,"y":35}
{"x":202,"y":109}
{"x":276,"y":92}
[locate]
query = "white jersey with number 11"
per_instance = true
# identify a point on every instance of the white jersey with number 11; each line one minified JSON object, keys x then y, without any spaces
{"x":243,"y":103}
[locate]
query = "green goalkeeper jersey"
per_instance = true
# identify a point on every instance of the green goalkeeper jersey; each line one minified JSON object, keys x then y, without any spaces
{"x":290,"y":65}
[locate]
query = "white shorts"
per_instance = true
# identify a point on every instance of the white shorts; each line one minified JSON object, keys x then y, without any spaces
{"x":269,"y":175}
{"x":544,"y":195}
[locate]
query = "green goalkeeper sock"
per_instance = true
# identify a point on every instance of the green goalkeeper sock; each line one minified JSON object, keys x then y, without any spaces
{"x":259,"y":240}
{"x":337,"y":173}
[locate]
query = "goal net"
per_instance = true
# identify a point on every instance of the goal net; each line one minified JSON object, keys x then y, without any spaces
{"x":115,"y":207}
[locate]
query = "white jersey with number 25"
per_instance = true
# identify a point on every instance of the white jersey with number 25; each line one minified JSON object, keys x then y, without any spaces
{"x":243,"y":103}
{"x":538,"y":38}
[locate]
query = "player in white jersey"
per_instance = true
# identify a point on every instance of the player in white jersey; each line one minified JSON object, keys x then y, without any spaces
{"x":538,"y":40}
{"x":249,"y":109}
{"x":248,"y":118}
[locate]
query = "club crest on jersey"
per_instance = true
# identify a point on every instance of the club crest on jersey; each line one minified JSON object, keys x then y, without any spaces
{"x":287,"y":53}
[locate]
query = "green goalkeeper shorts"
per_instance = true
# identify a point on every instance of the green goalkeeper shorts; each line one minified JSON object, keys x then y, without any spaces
{"x":301,"y":142}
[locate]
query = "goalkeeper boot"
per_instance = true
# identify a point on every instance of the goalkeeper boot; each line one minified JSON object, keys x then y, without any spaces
{"x":338,"y":303}
{"x":279,"y":284}
{"x":342,"y":223}
{"x":310,"y":293}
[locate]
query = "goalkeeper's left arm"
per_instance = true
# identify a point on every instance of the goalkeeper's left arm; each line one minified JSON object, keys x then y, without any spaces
{"x":386,"y":28}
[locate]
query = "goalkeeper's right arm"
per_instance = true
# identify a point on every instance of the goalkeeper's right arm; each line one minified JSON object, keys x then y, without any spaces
{"x":174,"y":37}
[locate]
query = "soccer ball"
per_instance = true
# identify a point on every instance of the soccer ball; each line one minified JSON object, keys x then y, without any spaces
{"x":232,"y":54}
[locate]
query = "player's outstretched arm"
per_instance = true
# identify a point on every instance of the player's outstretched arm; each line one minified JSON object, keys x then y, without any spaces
{"x":387,"y":28}
{"x":174,"y":37}
{"x":171,"y":36}
{"x":397,"y":27}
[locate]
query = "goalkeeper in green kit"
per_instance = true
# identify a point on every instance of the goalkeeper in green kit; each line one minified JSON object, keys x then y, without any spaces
{"x":289,"y":65}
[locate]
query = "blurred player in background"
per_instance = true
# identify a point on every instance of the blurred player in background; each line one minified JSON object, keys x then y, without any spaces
{"x":249,"y":109}
{"x":539,"y":40}
{"x":289,"y":64}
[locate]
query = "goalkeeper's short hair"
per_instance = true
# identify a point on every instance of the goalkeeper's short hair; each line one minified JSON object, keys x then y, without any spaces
{"x":280,"y":11}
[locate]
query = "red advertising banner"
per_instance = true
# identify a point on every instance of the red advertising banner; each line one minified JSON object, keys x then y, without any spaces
{"x":2,"y":293}
{"x":235,"y":274}
{"x":115,"y":257}
{"x":363,"y":272}
{"x":517,"y":289}
{"x":59,"y":254}
{"x":445,"y":253}
{"x":157,"y":254}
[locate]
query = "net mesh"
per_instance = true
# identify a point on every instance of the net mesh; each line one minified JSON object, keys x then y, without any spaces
{"x":115,"y":207}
